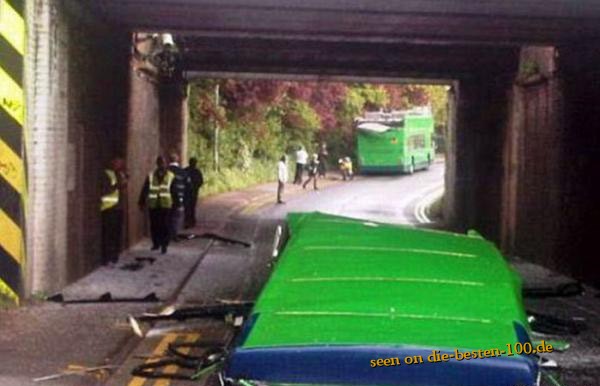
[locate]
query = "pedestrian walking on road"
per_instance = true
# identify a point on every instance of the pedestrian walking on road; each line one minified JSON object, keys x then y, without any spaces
{"x":158,"y":195}
{"x":313,"y":170}
{"x":113,"y":185}
{"x":301,"y":159}
{"x":323,"y":155}
{"x":195,"y":182}
{"x":282,"y":177}
{"x":179,"y":187}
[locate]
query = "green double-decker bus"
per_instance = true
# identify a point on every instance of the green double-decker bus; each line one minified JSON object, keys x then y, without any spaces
{"x":398,"y":141}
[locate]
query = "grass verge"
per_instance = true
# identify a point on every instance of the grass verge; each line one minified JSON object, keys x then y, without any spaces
{"x":229,"y":179}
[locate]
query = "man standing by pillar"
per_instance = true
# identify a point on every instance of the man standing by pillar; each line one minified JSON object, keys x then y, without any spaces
{"x":114,"y":182}
{"x":195,"y":182}
{"x":179,"y":188}
{"x":158,"y":193}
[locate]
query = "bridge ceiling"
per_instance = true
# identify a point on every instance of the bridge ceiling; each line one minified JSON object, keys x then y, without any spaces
{"x":494,"y":21}
{"x":344,"y":58}
{"x":410,"y":37}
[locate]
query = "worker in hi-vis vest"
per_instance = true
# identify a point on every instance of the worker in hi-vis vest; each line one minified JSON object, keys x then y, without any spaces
{"x":158,"y":195}
{"x":114,"y":182}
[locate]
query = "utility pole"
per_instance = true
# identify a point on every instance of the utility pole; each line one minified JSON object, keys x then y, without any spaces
{"x":216,"y":132}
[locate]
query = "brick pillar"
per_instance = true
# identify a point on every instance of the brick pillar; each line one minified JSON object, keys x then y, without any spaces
{"x":47,"y":64}
{"x":76,"y":88}
{"x":476,"y":166}
{"x":533,"y":160}
{"x":143,"y":144}
{"x":173,"y":119}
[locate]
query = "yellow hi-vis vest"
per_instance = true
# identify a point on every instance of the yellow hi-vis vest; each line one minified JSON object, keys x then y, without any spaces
{"x":159,"y":193}
{"x":348,"y":166}
{"x":110,"y":200}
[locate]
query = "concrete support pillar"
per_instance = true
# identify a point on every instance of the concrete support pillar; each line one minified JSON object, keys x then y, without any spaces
{"x":461,"y":168}
{"x":533,"y":160}
{"x":143,"y":145}
{"x":475,"y":175}
{"x":48,"y":120}
{"x":452,"y":191}
{"x":157,"y":125}
{"x":173,"y":119}
{"x":75,"y":70}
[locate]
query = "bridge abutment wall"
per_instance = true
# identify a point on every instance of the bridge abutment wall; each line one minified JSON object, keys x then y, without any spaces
{"x":76,"y":71}
{"x":525,"y":160}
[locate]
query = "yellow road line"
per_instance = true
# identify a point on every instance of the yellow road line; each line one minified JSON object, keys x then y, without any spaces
{"x":172,"y":369}
{"x":258,"y":203}
{"x":159,"y":350}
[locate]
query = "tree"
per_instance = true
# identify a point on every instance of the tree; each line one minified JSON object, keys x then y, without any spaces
{"x":267,"y":117}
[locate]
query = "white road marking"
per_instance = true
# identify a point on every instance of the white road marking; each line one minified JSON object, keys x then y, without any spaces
{"x":420,"y":211}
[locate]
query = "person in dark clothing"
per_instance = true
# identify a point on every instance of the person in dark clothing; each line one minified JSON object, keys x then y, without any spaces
{"x":180,"y":186}
{"x":323,"y":155}
{"x":113,"y":185}
{"x":159,"y":194}
{"x":313,"y":169}
{"x":195,"y":182}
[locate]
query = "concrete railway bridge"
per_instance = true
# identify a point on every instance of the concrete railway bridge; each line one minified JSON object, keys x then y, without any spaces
{"x":78,"y":85}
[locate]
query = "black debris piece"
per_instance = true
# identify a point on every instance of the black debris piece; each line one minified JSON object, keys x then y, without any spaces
{"x":105,"y":298}
{"x":562,"y":290}
{"x":549,"y":324}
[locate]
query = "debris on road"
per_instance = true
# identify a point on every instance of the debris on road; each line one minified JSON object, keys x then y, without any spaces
{"x":99,"y":372}
{"x":549,"y":324}
{"x":211,"y":358}
{"x":104,"y":298}
{"x":216,"y":237}
{"x":563,"y":290}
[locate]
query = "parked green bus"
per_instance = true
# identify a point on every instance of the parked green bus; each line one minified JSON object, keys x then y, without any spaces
{"x":347,"y":294}
{"x":398,"y":141}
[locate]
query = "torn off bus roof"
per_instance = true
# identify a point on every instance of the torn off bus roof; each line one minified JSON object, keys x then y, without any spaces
{"x":346,"y":291}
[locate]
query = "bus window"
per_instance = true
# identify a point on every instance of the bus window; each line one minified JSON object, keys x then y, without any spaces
{"x":416,"y":142}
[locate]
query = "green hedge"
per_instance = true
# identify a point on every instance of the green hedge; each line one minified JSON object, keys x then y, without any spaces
{"x":229,"y":179}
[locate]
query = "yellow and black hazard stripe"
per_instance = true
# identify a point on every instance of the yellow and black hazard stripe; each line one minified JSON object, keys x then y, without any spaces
{"x":13,"y":187}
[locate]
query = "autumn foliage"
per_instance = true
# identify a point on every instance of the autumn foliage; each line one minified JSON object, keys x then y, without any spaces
{"x":261,"y":119}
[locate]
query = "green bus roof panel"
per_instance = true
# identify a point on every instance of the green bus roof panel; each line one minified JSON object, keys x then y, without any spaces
{"x":363,"y":282}
{"x":347,"y":282}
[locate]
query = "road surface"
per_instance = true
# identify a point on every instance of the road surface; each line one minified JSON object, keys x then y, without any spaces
{"x":44,"y":339}
{"x":229,"y":271}
{"x":396,"y":199}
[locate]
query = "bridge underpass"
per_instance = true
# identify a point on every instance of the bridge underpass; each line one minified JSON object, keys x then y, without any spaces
{"x":521,"y":164}
{"x":521,"y":159}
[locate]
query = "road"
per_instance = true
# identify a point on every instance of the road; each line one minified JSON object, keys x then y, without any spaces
{"x":392,"y":199}
{"x":229,"y":271}
{"x":43,"y":339}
